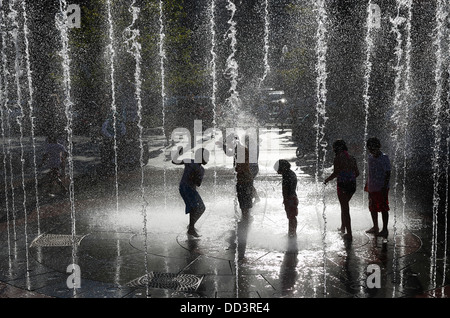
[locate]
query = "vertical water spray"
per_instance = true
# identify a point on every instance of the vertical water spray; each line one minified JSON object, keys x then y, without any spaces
{"x":440,"y":16}
{"x":402,"y":103}
{"x":8,"y":125}
{"x":4,"y":119}
{"x":447,"y":178}
{"x":30,"y":109}
{"x":213,"y":67}
{"x":447,"y":189}
{"x":13,"y":15}
{"x":321,"y":118}
{"x":134,"y":48}
{"x":233,"y":103}
{"x":397,"y":116}
{"x":61,"y":24}
{"x":162,"y":58}
{"x":231,"y":70}
{"x":266,"y":44}
{"x":367,"y":75}
{"x":112,"y":58}
{"x":407,"y":99}
{"x":265,"y":74}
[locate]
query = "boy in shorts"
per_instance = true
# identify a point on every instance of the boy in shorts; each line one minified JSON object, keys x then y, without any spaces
{"x":290,"y":200}
{"x":377,"y":185}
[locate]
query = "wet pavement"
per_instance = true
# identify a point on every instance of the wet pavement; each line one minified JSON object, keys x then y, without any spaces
{"x":135,"y":246}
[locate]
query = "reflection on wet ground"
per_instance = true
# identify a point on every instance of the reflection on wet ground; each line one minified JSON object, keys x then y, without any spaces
{"x":230,"y":259}
{"x":120,"y":256}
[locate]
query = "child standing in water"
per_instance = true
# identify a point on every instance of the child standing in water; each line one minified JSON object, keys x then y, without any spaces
{"x":191,"y":179}
{"x":345,"y":170}
{"x":290,"y":200}
{"x":377,"y":185}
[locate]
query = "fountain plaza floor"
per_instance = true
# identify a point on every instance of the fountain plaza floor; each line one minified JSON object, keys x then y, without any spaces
{"x":259,"y":262}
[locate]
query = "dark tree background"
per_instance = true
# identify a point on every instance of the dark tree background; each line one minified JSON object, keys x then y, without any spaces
{"x":187,"y":66}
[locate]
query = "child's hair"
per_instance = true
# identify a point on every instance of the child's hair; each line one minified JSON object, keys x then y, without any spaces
{"x":373,"y":142}
{"x":339,"y":145}
{"x":282,"y":165}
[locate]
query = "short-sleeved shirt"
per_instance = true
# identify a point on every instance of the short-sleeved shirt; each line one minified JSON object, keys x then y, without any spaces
{"x":55,"y":152}
{"x":192,"y":171}
{"x":378,"y":166}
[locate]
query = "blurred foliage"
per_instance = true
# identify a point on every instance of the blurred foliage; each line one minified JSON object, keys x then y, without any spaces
{"x":90,"y":59}
{"x":186,"y":70}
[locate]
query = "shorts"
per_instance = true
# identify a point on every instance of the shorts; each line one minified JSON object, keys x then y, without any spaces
{"x":245,"y":195}
{"x":192,"y":199}
{"x":378,"y":201}
{"x":291,"y":207}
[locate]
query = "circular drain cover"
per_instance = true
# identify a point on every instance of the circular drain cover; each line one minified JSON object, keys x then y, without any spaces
{"x":179,"y":282}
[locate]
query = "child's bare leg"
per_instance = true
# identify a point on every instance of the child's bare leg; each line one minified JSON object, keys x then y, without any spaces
{"x":245,"y":214}
{"x":292,"y":232}
{"x":194,"y":215}
{"x":385,"y":218}
{"x":375,"y":227}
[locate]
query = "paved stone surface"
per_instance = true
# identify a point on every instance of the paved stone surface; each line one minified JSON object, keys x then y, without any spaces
{"x":122,"y":254}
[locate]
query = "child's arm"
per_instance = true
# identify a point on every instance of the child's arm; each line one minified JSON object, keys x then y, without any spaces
{"x":335,"y":172}
{"x":179,"y":153}
{"x":387,"y":177}
{"x":330,"y":177}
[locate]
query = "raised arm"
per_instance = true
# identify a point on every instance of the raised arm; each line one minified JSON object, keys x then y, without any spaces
{"x":175,"y":160}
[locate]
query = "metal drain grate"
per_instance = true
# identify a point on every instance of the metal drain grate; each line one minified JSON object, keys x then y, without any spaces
{"x":178,"y":282}
{"x":56,"y":240}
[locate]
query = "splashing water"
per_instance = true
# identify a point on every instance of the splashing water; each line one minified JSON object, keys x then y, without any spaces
{"x":321,"y":118}
{"x":367,"y":74}
{"x":3,"y":108}
{"x":231,"y":70}
{"x":213,"y":64}
{"x":233,"y":103}
{"x":402,"y":99}
{"x":8,"y":110}
{"x":397,"y":115}
{"x":30,"y":107}
{"x":134,"y":48}
{"x":447,"y":188}
{"x":213,"y":68}
{"x":61,"y":24}
{"x":437,"y":130}
{"x":112,"y":57}
{"x":162,"y":58}
{"x":266,"y":43}
{"x":408,"y":101}
{"x":13,"y":15}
